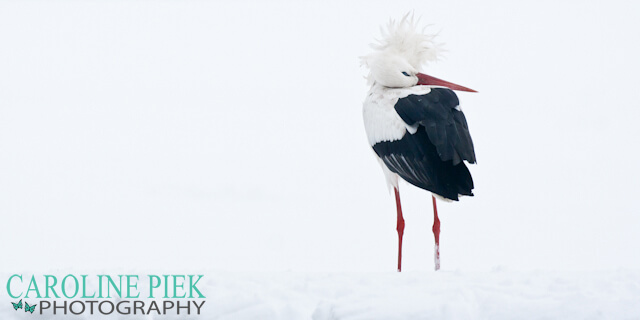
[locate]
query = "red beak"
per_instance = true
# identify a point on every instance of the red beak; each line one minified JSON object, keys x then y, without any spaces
{"x":424,"y":79}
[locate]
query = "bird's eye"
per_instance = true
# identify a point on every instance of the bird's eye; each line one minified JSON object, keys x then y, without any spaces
{"x":406,"y":74}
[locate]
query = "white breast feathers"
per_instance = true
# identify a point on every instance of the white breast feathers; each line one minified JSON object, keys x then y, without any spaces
{"x":381,"y":121}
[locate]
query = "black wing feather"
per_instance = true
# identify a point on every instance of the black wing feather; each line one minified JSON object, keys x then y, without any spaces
{"x":446,"y":126}
{"x":432,"y":158}
{"x":416,"y":160}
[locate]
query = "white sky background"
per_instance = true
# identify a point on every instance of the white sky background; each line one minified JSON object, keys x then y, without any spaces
{"x":228,"y":135}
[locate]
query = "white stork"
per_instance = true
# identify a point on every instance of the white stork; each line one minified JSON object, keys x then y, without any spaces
{"x":414,"y":122}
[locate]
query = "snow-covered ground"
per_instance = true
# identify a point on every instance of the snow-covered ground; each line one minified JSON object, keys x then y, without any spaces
{"x":428,"y":295}
{"x":497,"y":294}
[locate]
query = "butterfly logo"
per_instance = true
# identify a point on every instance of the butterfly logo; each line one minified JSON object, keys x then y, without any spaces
{"x":28,"y":308}
{"x":17,"y":305}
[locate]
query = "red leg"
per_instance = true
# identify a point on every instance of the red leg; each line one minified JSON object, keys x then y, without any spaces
{"x":436,"y":233}
{"x":399,"y":228}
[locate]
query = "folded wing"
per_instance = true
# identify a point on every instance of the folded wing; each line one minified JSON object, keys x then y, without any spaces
{"x":432,"y":157}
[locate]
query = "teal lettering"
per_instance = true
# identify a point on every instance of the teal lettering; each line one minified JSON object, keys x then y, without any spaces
{"x":33,"y":284}
{"x":100,"y":286}
{"x":84,"y":287}
{"x":166,"y":285}
{"x":64,"y":290}
{"x":192,"y":287}
{"x":151,"y":286}
{"x":117,"y":289}
{"x":9,"y":285}
{"x":47,"y":286}
{"x":175,"y":285}
{"x":130,"y":285}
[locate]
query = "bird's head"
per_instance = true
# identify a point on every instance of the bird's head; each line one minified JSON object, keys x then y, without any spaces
{"x":392,"y":70}
{"x":401,"y":53}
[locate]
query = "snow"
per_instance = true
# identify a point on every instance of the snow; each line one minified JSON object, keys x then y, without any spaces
{"x":227,"y":138}
{"x":496,"y":294}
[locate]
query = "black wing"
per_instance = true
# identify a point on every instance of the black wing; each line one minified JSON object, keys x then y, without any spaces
{"x":432,"y":157}
{"x":446,"y":126}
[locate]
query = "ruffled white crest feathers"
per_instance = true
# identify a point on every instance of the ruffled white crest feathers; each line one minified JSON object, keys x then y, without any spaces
{"x":404,"y":38}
